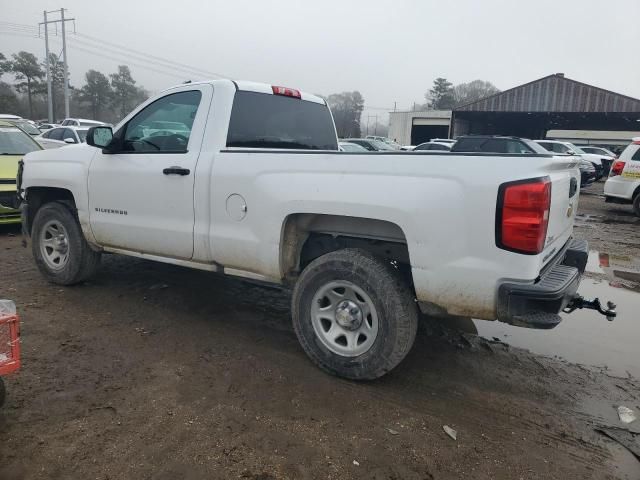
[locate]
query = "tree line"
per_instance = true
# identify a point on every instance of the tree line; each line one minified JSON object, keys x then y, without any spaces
{"x":443,"y":95}
{"x":106,"y":97}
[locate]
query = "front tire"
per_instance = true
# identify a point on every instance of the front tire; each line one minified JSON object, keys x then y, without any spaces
{"x":59,"y":248}
{"x":354,"y":315}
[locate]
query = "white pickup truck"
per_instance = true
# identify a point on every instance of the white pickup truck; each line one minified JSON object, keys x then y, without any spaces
{"x":252,"y":184}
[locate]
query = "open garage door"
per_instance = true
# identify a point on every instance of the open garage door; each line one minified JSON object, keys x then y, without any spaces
{"x":424,"y":133}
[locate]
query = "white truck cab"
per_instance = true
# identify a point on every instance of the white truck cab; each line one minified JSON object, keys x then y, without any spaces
{"x":623,"y":184}
{"x":246,"y":179}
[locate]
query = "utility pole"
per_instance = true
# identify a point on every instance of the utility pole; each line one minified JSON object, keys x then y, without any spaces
{"x":375,"y":125}
{"x":46,"y":62}
{"x":66,"y":69}
{"x":46,"y":23}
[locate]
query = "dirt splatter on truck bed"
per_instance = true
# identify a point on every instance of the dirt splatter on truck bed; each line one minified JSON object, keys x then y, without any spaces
{"x":154,"y":371}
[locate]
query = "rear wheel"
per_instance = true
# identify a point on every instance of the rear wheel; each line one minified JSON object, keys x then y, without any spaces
{"x":59,"y":248}
{"x":636,"y":204}
{"x":353,"y":314}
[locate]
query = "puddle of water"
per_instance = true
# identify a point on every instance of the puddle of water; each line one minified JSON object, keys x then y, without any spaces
{"x":585,"y":219}
{"x":585,"y":336}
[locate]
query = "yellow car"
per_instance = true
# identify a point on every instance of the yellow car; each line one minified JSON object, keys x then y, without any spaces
{"x":14,"y":144}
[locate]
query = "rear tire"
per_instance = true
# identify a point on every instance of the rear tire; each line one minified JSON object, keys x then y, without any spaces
{"x":59,"y":248}
{"x":636,"y":205}
{"x":354,"y":315}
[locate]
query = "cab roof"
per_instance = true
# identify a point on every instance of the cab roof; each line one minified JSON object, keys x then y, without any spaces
{"x":248,"y":86}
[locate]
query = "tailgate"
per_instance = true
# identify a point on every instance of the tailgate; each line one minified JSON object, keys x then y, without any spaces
{"x":565,"y":187}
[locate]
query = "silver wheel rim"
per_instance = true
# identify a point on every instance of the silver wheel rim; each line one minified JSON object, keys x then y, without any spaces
{"x":344,"y":318}
{"x":54,"y":245}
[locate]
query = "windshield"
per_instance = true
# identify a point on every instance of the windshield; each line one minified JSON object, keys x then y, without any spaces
{"x":381,"y":145}
{"x":536,"y":147}
{"x":576,"y":149}
{"x":14,"y":141}
{"x":27,"y":127}
{"x":82,"y":134}
{"x":352,"y":147}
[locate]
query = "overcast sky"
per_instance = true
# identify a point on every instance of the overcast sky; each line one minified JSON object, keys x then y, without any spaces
{"x":390,"y":51}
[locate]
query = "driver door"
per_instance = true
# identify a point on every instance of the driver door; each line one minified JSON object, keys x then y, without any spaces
{"x":141,"y":198}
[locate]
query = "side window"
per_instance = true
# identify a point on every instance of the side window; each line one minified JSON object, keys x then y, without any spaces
{"x":163,"y":126}
{"x":636,"y":156}
{"x":56,"y":134}
{"x":514,"y":146}
{"x":46,"y":134}
{"x":559,"y":148}
{"x":68,"y":133}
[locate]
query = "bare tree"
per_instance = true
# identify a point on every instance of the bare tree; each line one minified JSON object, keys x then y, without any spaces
{"x":464,"y":93}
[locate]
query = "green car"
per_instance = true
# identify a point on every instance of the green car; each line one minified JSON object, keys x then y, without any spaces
{"x":14,"y":144}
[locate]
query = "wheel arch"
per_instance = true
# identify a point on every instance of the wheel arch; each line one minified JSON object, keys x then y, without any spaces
{"x":306,"y":236}
{"x":38,"y":196}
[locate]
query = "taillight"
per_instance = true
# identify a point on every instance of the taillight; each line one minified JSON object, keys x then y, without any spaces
{"x":617,"y":168}
{"x":522,"y":215}
{"x":286,"y":91}
{"x":604,"y":259}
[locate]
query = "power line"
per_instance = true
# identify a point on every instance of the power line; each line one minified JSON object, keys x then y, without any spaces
{"x":87,"y":41}
{"x":137,"y":58}
{"x":16,"y":34}
{"x":120,"y":60}
{"x":144,"y":54}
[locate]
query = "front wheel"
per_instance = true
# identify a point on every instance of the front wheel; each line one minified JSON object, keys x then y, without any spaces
{"x":354,"y":315}
{"x":59,"y":248}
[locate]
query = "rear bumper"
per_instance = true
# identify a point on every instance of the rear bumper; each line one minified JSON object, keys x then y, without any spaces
{"x":620,"y":187}
{"x":537,"y":304}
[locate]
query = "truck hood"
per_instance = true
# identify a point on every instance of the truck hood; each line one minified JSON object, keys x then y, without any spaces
{"x":8,"y":171}
{"x":80,"y":153}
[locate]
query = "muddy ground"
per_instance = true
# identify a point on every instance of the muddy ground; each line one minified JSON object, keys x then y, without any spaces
{"x":154,"y":371}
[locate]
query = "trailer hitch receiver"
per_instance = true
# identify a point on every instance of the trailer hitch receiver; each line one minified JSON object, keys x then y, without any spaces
{"x":579,"y":302}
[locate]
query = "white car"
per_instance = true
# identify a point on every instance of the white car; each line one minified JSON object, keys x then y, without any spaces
{"x":607,"y":156}
{"x":80,"y":122}
{"x":60,"y":136}
{"x":259,"y":189}
{"x":623,"y":184}
{"x":351,"y":147}
{"x":433,"y":146}
{"x":605,"y":152}
{"x":449,"y":141}
{"x":569,"y":148}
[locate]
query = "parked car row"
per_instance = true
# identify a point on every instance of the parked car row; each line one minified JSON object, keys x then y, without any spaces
{"x":623,"y":184}
{"x":53,"y":135}
{"x":14,"y":144}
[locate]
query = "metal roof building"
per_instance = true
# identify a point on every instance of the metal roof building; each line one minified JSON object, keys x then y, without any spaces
{"x":552,"y":102}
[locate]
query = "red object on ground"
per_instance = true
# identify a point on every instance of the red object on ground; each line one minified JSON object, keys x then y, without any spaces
{"x":9,"y":343}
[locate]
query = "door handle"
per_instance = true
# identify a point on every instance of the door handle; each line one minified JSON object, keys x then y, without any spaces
{"x":176,"y":171}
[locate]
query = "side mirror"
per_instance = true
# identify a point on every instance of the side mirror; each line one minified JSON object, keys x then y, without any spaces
{"x":570,"y":152}
{"x":69,"y":140}
{"x":100,"y":136}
